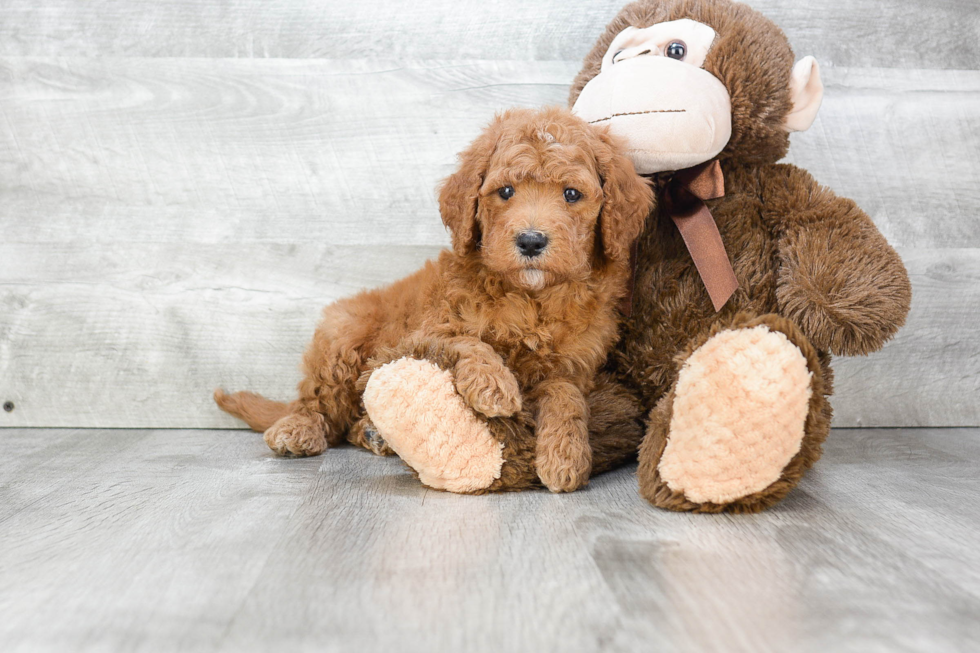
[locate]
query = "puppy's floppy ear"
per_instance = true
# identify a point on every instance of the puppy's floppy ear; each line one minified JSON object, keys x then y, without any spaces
{"x":627,"y":198}
{"x":460,"y":192}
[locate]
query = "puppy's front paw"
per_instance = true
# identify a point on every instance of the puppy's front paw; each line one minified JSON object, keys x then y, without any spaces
{"x":564,"y":459}
{"x":297,"y":434}
{"x":493,"y":392}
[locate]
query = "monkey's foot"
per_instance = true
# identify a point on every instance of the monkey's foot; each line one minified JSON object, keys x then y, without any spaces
{"x":734,"y":421}
{"x":417,"y":411}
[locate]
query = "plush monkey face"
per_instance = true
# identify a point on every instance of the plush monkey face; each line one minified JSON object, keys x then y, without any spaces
{"x":653,"y":91}
{"x":684,"y":82}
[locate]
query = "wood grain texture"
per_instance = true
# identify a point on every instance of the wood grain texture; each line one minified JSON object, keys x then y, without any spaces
{"x":892,"y":33}
{"x":172,"y":522}
{"x":142,"y":336}
{"x":929,"y":375}
{"x":350,"y":151}
{"x":172,"y":225}
{"x":204,"y":541}
{"x":902,"y":144}
{"x":199,"y":150}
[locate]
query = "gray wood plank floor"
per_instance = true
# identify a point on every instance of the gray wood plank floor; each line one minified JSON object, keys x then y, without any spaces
{"x":140,"y":540}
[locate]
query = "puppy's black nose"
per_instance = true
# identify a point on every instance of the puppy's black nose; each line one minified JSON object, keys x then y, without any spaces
{"x":531,"y":243}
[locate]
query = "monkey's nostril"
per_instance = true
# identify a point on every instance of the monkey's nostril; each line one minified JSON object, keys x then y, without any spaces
{"x":531,"y":243}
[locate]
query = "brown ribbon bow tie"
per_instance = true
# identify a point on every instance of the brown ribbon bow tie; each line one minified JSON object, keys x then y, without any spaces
{"x":684,"y":199}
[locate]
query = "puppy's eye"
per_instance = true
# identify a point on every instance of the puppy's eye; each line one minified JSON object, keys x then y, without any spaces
{"x":618,"y":52}
{"x":506,"y":192}
{"x":572,"y":195}
{"x":676,"y":50}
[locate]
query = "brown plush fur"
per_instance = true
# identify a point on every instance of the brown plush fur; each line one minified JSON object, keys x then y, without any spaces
{"x":810,"y":264}
{"x":524,"y":337}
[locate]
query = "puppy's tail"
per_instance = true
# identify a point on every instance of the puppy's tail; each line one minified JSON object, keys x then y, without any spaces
{"x":255,"y":410}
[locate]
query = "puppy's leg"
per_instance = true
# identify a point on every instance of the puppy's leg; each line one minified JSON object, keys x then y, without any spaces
{"x":482,"y":379}
{"x":563,"y":456}
{"x":328,"y":401}
{"x":365,"y":434}
{"x":299,"y":434}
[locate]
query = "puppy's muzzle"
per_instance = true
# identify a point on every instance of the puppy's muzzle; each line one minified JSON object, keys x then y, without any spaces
{"x":531,"y":243}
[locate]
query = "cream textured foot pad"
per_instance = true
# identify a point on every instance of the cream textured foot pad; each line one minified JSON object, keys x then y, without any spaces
{"x":740,"y":405}
{"x":416,"y":409}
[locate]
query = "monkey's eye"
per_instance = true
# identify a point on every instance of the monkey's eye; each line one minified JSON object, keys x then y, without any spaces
{"x":676,"y":50}
{"x":506,"y":192}
{"x":572,"y":195}
{"x":618,"y":52}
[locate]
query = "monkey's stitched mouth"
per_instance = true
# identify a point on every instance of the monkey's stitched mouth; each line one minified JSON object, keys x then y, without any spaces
{"x":637,"y":113}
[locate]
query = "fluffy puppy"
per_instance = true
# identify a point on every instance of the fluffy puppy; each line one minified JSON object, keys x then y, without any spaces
{"x":542,"y":213}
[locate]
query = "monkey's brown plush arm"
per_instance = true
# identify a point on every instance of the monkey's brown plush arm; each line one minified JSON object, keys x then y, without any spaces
{"x":839,"y":279}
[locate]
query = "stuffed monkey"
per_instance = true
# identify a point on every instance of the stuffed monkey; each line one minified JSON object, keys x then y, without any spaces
{"x":749,"y":274}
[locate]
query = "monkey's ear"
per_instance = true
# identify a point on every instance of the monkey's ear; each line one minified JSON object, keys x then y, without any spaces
{"x":806,"y":92}
{"x":460,"y":192}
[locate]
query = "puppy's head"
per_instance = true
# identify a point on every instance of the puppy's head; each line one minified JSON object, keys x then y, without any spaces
{"x":543,"y":197}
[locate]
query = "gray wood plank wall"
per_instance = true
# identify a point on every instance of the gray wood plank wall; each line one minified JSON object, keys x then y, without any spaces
{"x":184,"y":185}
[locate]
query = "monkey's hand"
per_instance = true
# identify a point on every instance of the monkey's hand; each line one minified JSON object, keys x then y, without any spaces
{"x":839,"y":279}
